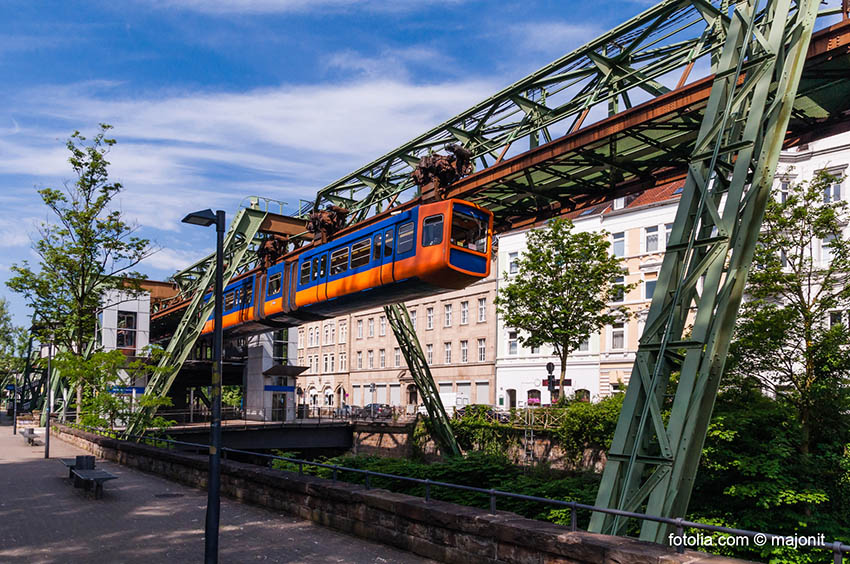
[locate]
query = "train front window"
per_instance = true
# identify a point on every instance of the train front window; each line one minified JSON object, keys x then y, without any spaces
{"x":274,"y":285}
{"x":360,"y":253}
{"x":432,"y":230}
{"x":305,"y":272}
{"x":339,"y":261}
{"x":388,"y":243}
{"x":405,"y":238}
{"x":469,"y":231}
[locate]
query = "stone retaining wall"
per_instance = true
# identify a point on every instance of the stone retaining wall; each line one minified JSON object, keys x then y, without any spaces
{"x":442,"y":531}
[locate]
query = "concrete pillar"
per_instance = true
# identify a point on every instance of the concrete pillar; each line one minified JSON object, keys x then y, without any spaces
{"x":257,"y":400}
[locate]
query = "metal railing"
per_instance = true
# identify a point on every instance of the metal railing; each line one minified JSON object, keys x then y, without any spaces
{"x":837,"y":548}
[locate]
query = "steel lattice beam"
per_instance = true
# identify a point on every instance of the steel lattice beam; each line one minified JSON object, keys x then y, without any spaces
{"x":652,"y":464}
{"x":408,"y":342}
{"x":237,"y":244}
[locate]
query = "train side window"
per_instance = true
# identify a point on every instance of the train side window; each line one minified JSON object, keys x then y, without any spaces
{"x":247,"y":294}
{"x":432,"y":230}
{"x":388,"y":243}
{"x":339,"y":261}
{"x":360,"y":253}
{"x":274,"y":285}
{"x":229,"y":300}
{"x":323,"y":266}
{"x":376,"y":247}
{"x":305,"y":272}
{"x":405,"y":238}
{"x":316,"y":268}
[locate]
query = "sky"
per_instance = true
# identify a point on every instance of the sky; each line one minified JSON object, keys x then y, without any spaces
{"x":216,"y":100}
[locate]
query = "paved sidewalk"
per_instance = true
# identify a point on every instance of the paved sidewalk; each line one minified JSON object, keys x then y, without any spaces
{"x":146,"y":519}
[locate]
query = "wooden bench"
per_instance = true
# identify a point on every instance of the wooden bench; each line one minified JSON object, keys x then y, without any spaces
{"x":29,"y":435}
{"x":82,"y":462}
{"x":88,"y":478}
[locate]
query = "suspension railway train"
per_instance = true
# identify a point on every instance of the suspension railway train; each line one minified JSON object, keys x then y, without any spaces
{"x":425,"y":250}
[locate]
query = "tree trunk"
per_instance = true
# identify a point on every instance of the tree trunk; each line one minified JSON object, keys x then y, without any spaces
{"x":561,"y":395}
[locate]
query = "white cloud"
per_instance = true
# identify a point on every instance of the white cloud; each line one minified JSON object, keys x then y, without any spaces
{"x":172,"y":260}
{"x":553,"y":38}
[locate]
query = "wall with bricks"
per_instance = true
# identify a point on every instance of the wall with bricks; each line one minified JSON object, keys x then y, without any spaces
{"x":442,"y":531}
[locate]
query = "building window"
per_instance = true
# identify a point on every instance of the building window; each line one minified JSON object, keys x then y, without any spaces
{"x":301,"y":339}
{"x":826,"y":248}
{"x":447,"y":347}
{"x":783,"y":192}
{"x":513,"y":344}
{"x":343,"y":362}
{"x":370,"y":355}
{"x":343,"y":332}
{"x":513,"y":263}
{"x":382,"y":325}
{"x":464,"y":351}
{"x":429,"y":318}
{"x":835,"y":318}
{"x":482,"y":310}
{"x":447,"y":315}
{"x":310,"y":337}
{"x":360,"y":359}
{"x":325,"y":365}
{"x":371,"y":325}
{"x":617,"y":292}
{"x":429,"y":353}
{"x":464,"y":313}
{"x":333,"y":363}
{"x":333,"y":333}
{"x":618,"y":246}
{"x":649,"y":288}
{"x":359,"y":328}
{"x":413,"y":318}
{"x":535,"y":349}
{"x":482,"y":350}
{"x":327,"y":334}
{"x":382,"y":358}
{"x":668,"y":227}
{"x":126,"y":335}
{"x":397,"y":357}
{"x":832,"y":193}
{"x":651,"y":239}
{"x":584,"y":346}
{"x":618,"y":336}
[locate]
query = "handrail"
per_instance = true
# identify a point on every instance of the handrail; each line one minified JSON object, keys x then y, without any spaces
{"x":836,"y":547}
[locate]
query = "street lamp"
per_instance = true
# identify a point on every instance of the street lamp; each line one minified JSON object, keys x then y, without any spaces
{"x":206,"y":218}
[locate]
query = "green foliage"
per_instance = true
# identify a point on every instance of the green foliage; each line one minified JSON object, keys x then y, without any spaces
{"x":477,"y":469}
{"x":476,"y":431}
{"x":231,"y":395}
{"x":89,"y":249}
{"x":586,"y":425}
{"x":560,"y":294}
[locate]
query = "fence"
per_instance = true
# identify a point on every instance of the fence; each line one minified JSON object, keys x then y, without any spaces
{"x":837,"y":548}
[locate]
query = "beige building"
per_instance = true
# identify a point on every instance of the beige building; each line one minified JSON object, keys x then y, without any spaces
{"x":347,"y":355}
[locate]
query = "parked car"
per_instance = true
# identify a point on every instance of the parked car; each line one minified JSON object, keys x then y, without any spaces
{"x":375,"y":411}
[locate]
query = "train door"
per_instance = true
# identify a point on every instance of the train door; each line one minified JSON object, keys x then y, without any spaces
{"x":387,"y":276}
{"x":320,"y":276}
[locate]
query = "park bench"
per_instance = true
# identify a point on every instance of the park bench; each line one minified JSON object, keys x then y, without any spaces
{"x":29,"y":435}
{"x":82,"y":462}
{"x":91,"y":477}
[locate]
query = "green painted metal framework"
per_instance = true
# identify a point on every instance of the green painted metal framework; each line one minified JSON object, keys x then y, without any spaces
{"x":620,"y":114}
{"x":408,"y":342}
{"x":240,"y":246}
{"x":652,"y":464}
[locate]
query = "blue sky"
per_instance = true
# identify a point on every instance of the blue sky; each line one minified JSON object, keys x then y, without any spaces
{"x":215,"y":100}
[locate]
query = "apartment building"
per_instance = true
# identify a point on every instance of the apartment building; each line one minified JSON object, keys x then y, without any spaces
{"x":638,"y":228}
{"x":347,"y":355}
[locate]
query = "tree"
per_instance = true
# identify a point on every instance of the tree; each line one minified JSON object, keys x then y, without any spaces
{"x":791,"y":337}
{"x":12,"y":345}
{"x":89,"y":250}
{"x":561,"y":292}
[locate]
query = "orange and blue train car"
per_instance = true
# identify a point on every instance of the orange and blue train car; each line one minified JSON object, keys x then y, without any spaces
{"x":425,"y":250}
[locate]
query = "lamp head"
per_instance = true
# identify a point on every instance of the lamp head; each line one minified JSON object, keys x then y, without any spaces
{"x":204,"y":217}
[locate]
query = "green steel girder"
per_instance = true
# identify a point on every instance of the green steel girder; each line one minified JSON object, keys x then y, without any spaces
{"x":652,"y":464}
{"x":637,"y":59}
{"x":239,"y":244}
{"x":408,"y":342}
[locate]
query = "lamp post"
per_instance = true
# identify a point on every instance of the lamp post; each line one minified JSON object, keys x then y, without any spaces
{"x":206,"y":218}
{"x":48,"y":400}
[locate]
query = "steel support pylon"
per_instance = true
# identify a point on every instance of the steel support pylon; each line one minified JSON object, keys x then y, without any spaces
{"x":237,"y":244}
{"x":408,"y":342}
{"x":652,"y":464}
